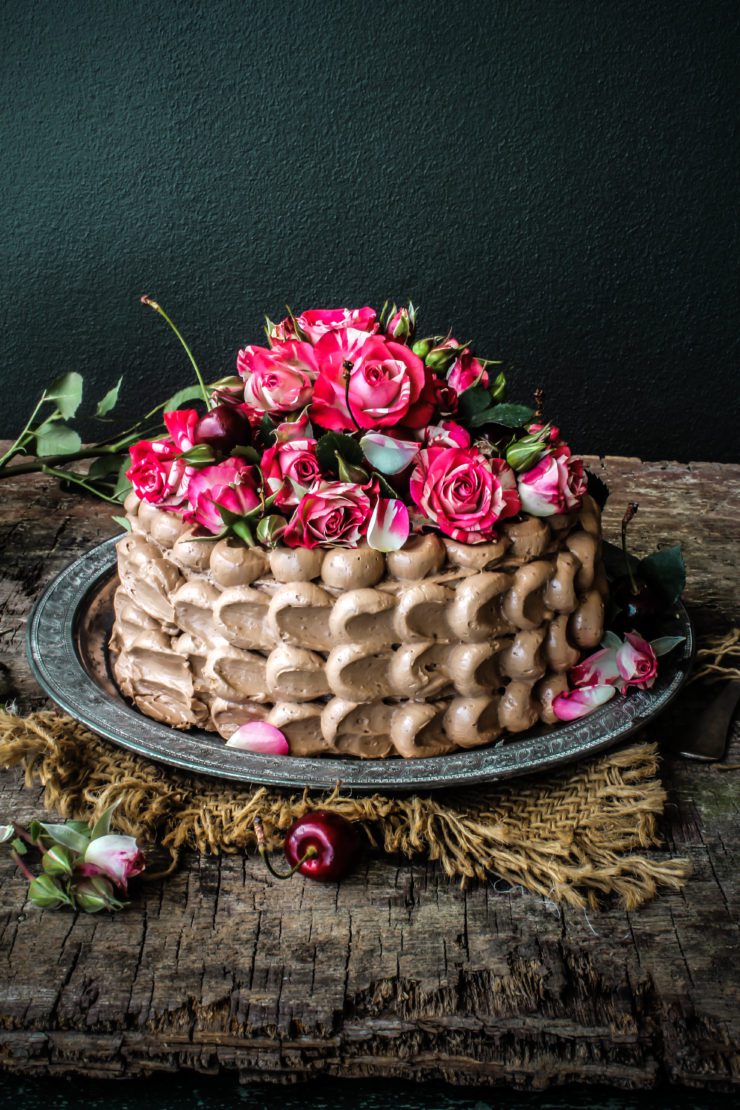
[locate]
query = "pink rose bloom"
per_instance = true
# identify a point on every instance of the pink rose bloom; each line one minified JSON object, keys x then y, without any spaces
{"x":278,"y":379}
{"x":463,"y":493}
{"x":158,"y":474}
{"x":330,"y":513}
{"x":599,"y":669}
{"x":445,"y":397}
{"x":231,"y":484}
{"x":446,"y":434}
{"x":316,"y":322}
{"x":385,"y":381}
{"x":636,"y":662}
{"x":119,"y":858}
{"x":181,"y":424}
{"x":466,"y":371}
{"x":287,"y":463}
{"x":555,"y":485}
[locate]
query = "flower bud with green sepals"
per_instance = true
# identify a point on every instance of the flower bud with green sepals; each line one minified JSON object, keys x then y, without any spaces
{"x":57,"y":861}
{"x":96,"y":893}
{"x":45,"y":893}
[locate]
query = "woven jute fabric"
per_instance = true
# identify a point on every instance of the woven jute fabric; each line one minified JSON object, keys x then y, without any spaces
{"x":576,"y":837}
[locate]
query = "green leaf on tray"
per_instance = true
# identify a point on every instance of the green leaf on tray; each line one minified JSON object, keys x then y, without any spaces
{"x":473,"y":401}
{"x":56,"y":439}
{"x":124,"y":522}
{"x":66,"y":392}
{"x":664,"y":644}
{"x":189,"y":393}
{"x":665,"y":571}
{"x":333,"y":444}
{"x":108,"y":403}
{"x":597,"y":489}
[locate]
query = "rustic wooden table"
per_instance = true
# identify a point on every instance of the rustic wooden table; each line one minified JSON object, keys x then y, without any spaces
{"x":396,"y":972}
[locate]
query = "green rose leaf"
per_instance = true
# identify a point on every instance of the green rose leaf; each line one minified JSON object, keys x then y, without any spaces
{"x":472,"y":402}
{"x":665,"y":571}
{"x":104,"y":467}
{"x":664,"y":644}
{"x":68,"y":837}
{"x":108,"y":403}
{"x":56,"y":439}
{"x":102,"y":825}
{"x":509,"y":416}
{"x":333,"y":444}
{"x":189,"y":393}
{"x":124,"y":522}
{"x":66,"y":392}
{"x":597,"y":489}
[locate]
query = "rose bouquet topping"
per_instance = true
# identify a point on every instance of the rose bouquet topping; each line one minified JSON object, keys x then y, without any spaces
{"x":345,"y":428}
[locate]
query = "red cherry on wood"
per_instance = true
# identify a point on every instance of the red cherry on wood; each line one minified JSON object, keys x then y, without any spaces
{"x":223,"y":428}
{"x":331,"y":842}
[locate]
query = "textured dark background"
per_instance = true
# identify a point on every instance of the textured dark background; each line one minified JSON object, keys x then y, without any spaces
{"x":557,"y":180}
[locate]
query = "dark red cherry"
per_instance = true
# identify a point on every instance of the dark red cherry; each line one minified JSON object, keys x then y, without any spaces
{"x":327,"y":844}
{"x":638,"y":611}
{"x":223,"y":428}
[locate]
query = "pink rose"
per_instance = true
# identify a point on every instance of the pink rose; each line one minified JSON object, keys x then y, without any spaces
{"x":552,"y":436}
{"x":385,"y":381}
{"x":389,"y":526}
{"x":158,"y":474}
{"x":318,"y":321}
{"x":573,"y":704}
{"x":446,"y":434}
{"x":119,"y":858}
{"x":463,"y":492}
{"x":330,"y":513}
{"x":278,"y":379}
{"x":181,"y":424}
{"x":290,"y":462}
{"x":555,"y":485}
{"x":445,"y":397}
{"x":599,"y":669}
{"x":466,"y":371}
{"x":637,"y":662}
{"x":231,"y":484}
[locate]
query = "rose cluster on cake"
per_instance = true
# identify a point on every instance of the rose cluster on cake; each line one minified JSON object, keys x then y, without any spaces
{"x":344,"y":428}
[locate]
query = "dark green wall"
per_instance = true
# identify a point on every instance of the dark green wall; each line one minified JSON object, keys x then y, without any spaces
{"x":556,"y":179}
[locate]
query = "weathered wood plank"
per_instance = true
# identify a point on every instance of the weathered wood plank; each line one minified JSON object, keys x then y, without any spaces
{"x":397,"y":972}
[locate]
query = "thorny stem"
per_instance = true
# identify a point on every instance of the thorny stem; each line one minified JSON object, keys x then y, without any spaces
{"x":628,"y":516}
{"x":54,"y":460}
{"x":259,"y":832}
{"x":158,"y":308}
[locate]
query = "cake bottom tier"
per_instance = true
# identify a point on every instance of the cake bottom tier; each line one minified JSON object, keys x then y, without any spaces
{"x":433,"y":648}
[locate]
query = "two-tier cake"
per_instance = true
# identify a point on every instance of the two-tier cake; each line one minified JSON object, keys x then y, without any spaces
{"x":360,"y":543}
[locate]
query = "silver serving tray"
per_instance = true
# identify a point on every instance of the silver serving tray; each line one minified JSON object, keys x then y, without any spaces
{"x":67,"y":638}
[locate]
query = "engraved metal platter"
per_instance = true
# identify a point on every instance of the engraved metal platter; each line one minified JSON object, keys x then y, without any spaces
{"x":67,"y":643}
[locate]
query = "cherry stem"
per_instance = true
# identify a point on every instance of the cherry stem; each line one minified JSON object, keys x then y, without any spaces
{"x":628,"y":516}
{"x":158,"y":308}
{"x":311,"y":853}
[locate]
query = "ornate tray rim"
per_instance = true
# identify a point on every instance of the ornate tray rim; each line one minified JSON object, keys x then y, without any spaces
{"x":51,"y":645}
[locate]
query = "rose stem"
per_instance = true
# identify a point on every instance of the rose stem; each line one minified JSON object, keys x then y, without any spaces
{"x":262,"y":849}
{"x":158,"y":308}
{"x":21,"y":866}
{"x":628,"y":516}
{"x":347,"y":367}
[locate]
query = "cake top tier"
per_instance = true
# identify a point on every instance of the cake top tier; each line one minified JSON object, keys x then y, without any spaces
{"x":345,"y":430}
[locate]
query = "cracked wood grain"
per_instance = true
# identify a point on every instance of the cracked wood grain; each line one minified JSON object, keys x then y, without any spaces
{"x":397,"y":972}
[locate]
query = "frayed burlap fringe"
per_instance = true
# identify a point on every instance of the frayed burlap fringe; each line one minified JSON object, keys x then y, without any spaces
{"x":572,"y":837}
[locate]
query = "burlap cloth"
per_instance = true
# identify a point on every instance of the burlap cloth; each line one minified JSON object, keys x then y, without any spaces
{"x":576,"y":836}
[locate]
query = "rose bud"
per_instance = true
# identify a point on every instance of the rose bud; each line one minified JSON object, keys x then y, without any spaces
{"x":440,"y":358}
{"x":270,"y":529}
{"x":525,"y":452}
{"x":422,"y":347}
{"x":95,"y":894}
{"x":45,"y":893}
{"x":57,"y":861}
{"x":223,"y":428}
{"x":119,"y":858}
{"x":498,"y":389}
{"x":401,"y":324}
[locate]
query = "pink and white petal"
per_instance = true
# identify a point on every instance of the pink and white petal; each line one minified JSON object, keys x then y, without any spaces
{"x":599,"y":669}
{"x":259,"y":737}
{"x":387,"y":454}
{"x":579,"y":703}
{"x":389,"y":525}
